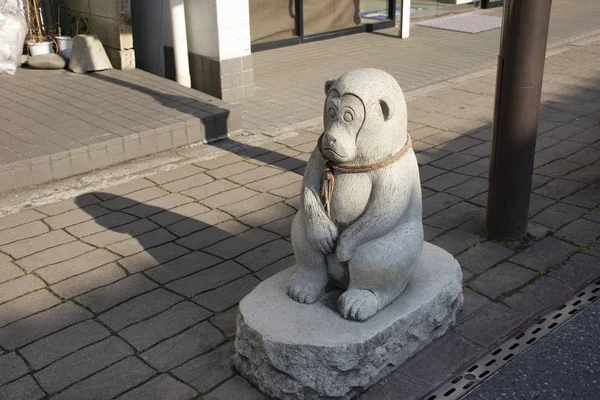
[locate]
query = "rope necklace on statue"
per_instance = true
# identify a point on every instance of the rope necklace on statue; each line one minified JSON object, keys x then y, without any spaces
{"x":328,"y":181}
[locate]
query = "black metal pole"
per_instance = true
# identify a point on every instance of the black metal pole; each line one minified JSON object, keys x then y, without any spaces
{"x":516,"y":111}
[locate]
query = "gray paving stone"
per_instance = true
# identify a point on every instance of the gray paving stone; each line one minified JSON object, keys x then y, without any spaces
{"x":291,"y":164}
{"x":588,"y":174}
{"x":183,"y":266}
{"x":580,"y":231}
{"x":20,"y":218}
{"x":476,"y":168}
{"x":294,"y":202}
{"x":88,"y":281}
{"x":143,"y":242}
{"x":241,"y":243}
{"x":141,"y":196}
{"x":289,"y":190}
{"x":11,"y":367}
{"x":209,"y":370}
{"x":428,"y":155}
{"x":558,"y":215}
{"x":545,"y":253}
{"x":210,"y":189}
{"x":266,"y":254}
{"x":24,"y":388}
{"x":503,"y":278}
{"x":21,"y":232}
{"x":4,"y":258}
{"x":282,"y":227}
{"x":18,"y":287}
{"x":208,"y":279}
{"x":82,"y":363}
{"x":427,"y":172}
{"x":153,"y":257}
{"x":176,"y":174}
{"x":455,"y":241}
{"x":228,"y":295}
{"x":231,"y":169}
{"x":20,"y":333}
{"x":88,"y":261}
{"x":454,"y":160}
{"x":462,"y":143}
{"x":438,"y":202}
{"x":251,"y":204}
{"x":483,"y":256}
{"x":139,"y":308}
{"x":42,"y":242}
{"x":158,"y":205}
{"x":588,"y":197}
{"x":26,"y":305}
{"x":187,"y":183}
{"x":211,"y":235}
{"x":125,"y":188}
{"x":110,"y":382}
{"x":276,"y":267}
{"x":454,"y":216}
{"x":168,"y":323}
{"x":228,"y":197}
{"x":109,"y":221}
{"x":219,"y":161}
{"x":538,"y":297}
{"x":470,"y":188}
{"x":254,"y":175}
{"x":557,"y":168}
{"x":238,"y":388}
{"x":76,"y":216}
{"x":176,"y":214}
{"x":445,"y":354}
{"x":198,"y":222}
{"x":395,"y":386}
{"x":473,"y":302}
{"x":182,"y":347}
{"x":267,"y":215}
{"x":559,"y":188}
{"x":105,"y":297}
{"x":445,"y":181}
{"x":490,"y":325}
{"x":577,"y":270}
{"x":69,"y":204}
{"x":275,"y":182}
{"x":49,"y":349}
{"x":9,"y":271}
{"x":226,"y":321}
{"x":54,"y":255}
{"x":159,"y":387}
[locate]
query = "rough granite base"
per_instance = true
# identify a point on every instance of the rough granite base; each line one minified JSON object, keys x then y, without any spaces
{"x":299,"y":351}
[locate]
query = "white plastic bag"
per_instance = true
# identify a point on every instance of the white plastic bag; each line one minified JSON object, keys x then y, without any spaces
{"x":13,"y":30}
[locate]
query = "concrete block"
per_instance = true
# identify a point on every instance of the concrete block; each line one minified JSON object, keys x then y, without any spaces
{"x":280,"y":343}
{"x":88,"y":55}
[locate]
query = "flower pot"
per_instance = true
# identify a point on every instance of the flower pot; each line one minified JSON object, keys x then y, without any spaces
{"x":65,"y":45}
{"x":37,"y":48}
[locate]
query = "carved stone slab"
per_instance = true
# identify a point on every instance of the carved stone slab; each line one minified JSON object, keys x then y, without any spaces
{"x":308,"y":351}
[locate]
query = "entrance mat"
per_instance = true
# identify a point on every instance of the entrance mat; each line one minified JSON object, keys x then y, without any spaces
{"x":382,"y":15}
{"x":468,"y":23}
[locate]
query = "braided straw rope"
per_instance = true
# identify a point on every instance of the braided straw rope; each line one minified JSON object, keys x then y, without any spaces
{"x":328,"y":181}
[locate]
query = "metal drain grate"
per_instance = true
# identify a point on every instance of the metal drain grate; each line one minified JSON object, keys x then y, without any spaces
{"x":505,"y":352}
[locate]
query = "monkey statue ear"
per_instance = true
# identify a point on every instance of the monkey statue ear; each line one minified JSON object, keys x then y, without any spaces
{"x":387,"y":107}
{"x":328,"y":85}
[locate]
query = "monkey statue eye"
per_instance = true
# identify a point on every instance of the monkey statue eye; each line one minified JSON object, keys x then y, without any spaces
{"x":348,"y":117}
{"x":331,"y":112}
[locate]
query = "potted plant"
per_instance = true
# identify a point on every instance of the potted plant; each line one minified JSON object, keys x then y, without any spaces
{"x":37,"y":41}
{"x":63,"y":43}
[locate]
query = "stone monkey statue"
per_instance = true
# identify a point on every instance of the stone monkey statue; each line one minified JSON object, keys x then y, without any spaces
{"x":359,"y":225}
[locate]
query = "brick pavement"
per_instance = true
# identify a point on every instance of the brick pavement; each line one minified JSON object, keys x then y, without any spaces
{"x":290,"y":80}
{"x":131,"y":291}
{"x":56,"y":124}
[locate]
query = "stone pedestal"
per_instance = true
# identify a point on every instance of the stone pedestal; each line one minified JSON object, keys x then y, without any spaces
{"x":298,"y":351}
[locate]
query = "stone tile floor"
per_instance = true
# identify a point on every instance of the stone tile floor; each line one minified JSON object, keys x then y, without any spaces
{"x":290,"y":80}
{"x":131,"y":291}
{"x":57,"y":124}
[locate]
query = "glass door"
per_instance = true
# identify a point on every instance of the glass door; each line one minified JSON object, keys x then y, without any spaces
{"x":272,"y":20}
{"x":435,"y":8}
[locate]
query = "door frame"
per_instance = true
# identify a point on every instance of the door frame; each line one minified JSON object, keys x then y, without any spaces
{"x":302,"y":38}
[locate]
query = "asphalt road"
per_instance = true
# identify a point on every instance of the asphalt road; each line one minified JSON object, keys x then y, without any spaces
{"x":564,"y":365}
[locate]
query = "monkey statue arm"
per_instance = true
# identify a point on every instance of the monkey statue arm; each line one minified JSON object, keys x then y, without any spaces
{"x":322,"y":231}
{"x":388,"y":199}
